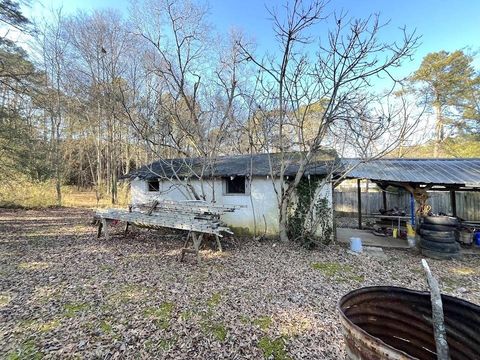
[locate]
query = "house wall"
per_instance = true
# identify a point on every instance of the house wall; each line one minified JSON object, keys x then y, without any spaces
{"x":261,"y":195}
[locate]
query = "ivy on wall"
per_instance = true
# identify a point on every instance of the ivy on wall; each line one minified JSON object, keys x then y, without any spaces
{"x":309,"y":221}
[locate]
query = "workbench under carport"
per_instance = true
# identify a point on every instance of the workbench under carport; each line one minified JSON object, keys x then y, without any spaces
{"x":417,"y":176}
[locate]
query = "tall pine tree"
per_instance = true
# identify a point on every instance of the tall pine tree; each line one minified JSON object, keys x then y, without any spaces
{"x":448,"y":79}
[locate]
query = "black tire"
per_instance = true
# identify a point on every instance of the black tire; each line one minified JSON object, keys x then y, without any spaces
{"x":440,"y":236}
{"x":439,"y":255}
{"x":441,"y":220}
{"x":451,"y":248}
{"x":440,"y":240}
{"x":433,"y":227}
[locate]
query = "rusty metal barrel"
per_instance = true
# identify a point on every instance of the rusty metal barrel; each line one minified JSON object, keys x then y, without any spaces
{"x":385,"y":322}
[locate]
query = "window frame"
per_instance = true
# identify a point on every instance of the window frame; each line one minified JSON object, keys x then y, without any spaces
{"x":225,"y":181}
{"x":149,"y":187}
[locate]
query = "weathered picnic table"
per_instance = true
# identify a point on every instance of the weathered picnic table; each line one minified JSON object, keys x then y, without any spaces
{"x":199,"y":218}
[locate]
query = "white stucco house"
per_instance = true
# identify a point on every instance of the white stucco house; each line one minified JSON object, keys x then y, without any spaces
{"x":244,"y":180}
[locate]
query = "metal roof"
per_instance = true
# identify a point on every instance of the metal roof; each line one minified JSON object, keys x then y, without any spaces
{"x":459,"y":172}
{"x":465,"y":172}
{"x":235,"y":165}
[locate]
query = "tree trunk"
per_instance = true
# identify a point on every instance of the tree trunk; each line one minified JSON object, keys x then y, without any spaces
{"x":58,"y":173}
{"x":98,"y":187}
{"x":283,"y":217}
{"x":113,"y":160}
{"x":108,"y":168}
{"x":127,"y":158}
{"x":438,"y":130}
{"x":55,"y":158}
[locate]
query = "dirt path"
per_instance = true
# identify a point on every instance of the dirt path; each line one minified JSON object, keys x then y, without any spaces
{"x":65,"y":294}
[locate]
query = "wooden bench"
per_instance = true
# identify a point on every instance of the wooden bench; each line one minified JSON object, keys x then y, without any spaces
{"x":197,"y":217}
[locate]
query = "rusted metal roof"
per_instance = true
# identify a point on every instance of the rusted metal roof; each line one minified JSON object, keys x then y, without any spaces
{"x":234,"y":165}
{"x":464,"y":172}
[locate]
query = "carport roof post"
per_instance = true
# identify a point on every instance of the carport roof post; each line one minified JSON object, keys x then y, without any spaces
{"x":359,"y":201}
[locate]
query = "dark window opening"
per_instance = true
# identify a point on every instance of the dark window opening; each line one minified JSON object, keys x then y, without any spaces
{"x":236,"y":185}
{"x":153,"y":185}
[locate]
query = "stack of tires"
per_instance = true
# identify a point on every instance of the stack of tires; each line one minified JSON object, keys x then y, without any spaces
{"x":438,"y":237}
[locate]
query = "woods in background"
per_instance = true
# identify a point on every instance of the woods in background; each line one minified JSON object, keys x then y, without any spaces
{"x":99,"y":94}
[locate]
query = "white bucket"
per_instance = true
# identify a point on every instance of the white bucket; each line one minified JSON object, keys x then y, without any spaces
{"x":356,"y":244}
{"x":411,"y":241}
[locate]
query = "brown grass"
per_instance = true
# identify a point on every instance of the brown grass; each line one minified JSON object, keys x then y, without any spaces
{"x":23,"y":193}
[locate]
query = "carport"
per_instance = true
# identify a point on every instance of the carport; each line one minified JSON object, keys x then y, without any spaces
{"x":417,"y":176}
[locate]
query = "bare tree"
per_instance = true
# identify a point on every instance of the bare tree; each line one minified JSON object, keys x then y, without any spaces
{"x":99,"y":42}
{"x":189,"y":99}
{"x":53,"y":46}
{"x":336,"y":80}
{"x":383,"y":124}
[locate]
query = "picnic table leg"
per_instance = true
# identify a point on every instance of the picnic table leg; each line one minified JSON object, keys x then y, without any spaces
{"x":100,"y":225}
{"x":185,"y":249}
{"x":197,"y":240}
{"x":105,"y":230}
{"x":126,"y":228}
{"x":219,"y":244}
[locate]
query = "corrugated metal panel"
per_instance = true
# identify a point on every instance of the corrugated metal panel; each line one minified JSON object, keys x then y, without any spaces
{"x":426,"y":171}
{"x":235,"y":165}
{"x":423,"y":171}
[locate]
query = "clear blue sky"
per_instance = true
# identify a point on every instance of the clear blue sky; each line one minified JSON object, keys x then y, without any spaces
{"x":444,"y":24}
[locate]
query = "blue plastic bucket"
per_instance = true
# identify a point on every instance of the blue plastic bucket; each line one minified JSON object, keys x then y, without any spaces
{"x":476,"y":238}
{"x":356,"y":244}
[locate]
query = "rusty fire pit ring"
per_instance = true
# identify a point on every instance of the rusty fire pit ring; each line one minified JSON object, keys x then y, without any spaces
{"x":386,"y":322}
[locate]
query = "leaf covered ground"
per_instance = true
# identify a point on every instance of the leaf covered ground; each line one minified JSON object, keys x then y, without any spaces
{"x":66,"y":294}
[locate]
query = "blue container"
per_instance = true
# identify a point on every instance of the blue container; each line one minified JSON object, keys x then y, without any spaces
{"x":356,"y":244}
{"x":476,"y":238}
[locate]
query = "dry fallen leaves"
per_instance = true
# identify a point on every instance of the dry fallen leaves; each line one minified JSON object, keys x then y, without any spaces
{"x":63,"y":293}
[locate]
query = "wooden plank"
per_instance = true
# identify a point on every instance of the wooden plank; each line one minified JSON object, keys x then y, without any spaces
{"x":185,"y":246}
{"x":195,"y":208}
{"x":438,"y":321}
{"x":145,"y":220}
{"x":197,"y":220}
{"x":178,"y":216}
{"x":197,"y":241}
{"x":195,"y":217}
{"x":154,"y":205}
{"x":166,"y":217}
{"x":219,"y":244}
{"x":388,"y":217}
{"x":188,"y":251}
